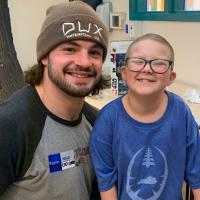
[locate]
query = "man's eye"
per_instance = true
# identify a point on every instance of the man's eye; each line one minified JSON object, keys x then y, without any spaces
{"x":96,"y":53}
{"x":69,"y":49}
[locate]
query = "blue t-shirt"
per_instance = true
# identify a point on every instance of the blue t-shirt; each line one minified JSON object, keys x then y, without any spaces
{"x":146,"y":160}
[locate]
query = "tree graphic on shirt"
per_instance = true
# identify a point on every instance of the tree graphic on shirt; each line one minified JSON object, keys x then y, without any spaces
{"x":148,"y":158}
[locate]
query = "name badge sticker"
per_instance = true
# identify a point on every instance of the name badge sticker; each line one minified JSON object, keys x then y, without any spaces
{"x":55,"y":163}
{"x":61,"y":161}
{"x":67,"y":159}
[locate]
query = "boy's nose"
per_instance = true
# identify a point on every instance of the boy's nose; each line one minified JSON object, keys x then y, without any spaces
{"x":147,"y":67}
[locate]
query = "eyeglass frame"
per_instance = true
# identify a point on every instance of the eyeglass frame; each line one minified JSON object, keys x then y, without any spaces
{"x":149,"y":62}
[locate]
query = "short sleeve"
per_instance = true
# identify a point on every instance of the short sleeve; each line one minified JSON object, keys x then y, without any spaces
{"x":102,"y":151}
{"x":192,"y":172}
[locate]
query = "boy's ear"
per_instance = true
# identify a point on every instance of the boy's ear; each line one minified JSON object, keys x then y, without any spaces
{"x":123,"y":72}
{"x":172,"y":77}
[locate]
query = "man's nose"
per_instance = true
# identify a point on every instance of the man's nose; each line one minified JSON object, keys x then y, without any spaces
{"x":83,"y":59}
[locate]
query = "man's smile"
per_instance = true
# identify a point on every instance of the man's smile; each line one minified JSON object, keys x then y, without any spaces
{"x":80,"y":74}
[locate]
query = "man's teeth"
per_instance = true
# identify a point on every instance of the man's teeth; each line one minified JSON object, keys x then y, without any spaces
{"x":80,"y":75}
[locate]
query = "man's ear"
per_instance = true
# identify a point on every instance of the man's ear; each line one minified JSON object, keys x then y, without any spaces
{"x":44,"y":61}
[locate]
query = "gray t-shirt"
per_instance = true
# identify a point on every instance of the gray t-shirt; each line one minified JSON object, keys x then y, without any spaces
{"x":51,"y":155}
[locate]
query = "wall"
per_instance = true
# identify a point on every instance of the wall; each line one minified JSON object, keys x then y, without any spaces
{"x":26,"y":20}
{"x":184,"y":37}
{"x":27,"y":16}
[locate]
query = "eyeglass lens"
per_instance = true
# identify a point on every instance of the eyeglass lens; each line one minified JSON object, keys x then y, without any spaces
{"x":157,"y":65}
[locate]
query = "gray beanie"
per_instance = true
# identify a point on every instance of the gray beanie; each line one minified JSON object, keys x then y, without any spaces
{"x":74,"y":20}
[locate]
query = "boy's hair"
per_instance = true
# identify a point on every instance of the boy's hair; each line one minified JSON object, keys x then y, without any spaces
{"x":34,"y":77}
{"x":154,"y":37}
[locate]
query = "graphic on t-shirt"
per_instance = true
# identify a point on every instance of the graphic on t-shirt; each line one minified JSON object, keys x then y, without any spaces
{"x":147,"y":174}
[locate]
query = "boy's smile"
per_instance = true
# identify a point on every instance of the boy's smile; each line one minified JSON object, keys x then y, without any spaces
{"x":146,"y":82}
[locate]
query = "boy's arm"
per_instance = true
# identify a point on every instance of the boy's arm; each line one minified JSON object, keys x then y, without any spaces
{"x":109,"y":194}
{"x":196,"y":193}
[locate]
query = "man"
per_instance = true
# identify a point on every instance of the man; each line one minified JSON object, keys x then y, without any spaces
{"x":45,"y":126}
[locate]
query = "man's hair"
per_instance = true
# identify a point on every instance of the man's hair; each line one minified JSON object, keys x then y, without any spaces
{"x":65,"y":22}
{"x":34,"y":77}
{"x":70,"y":21}
{"x":154,"y":37}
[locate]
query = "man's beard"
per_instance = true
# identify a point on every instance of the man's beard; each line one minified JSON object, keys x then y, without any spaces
{"x":64,"y":85}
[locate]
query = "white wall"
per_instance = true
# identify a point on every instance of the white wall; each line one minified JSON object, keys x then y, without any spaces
{"x":185,"y":39}
{"x":183,"y":36}
{"x":27,"y":17}
{"x":26,"y":20}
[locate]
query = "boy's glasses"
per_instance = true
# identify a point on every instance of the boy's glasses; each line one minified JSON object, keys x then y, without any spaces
{"x":159,"y":66}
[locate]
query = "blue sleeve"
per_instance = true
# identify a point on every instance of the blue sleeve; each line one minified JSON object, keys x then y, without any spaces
{"x":102,"y":151}
{"x":192,"y":171}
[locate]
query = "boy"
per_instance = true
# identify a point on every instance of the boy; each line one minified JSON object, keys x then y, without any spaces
{"x":145,"y":143}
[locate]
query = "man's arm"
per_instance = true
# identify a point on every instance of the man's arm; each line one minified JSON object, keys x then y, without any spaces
{"x":110,"y":194}
{"x":196,"y":193}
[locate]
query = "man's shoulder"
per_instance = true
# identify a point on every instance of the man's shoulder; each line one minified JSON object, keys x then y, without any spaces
{"x":22,"y":105}
{"x":90,"y":112}
{"x":17,"y":97}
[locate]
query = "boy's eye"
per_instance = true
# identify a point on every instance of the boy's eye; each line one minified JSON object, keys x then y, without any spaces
{"x":139,"y":62}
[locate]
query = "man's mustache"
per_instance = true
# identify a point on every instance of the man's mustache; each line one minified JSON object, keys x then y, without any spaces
{"x":85,"y":70}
